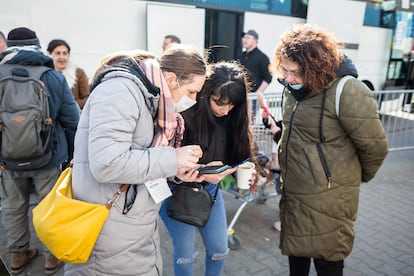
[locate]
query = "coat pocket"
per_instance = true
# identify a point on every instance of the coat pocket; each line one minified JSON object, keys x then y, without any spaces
{"x":324,"y":164}
{"x":313,"y":170}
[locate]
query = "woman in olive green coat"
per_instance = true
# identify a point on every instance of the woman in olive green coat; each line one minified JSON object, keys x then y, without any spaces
{"x":324,"y":155}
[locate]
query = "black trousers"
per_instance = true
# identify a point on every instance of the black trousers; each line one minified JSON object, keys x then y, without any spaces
{"x":299,"y":266}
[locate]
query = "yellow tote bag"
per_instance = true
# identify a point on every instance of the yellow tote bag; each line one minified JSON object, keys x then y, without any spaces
{"x":69,"y":227}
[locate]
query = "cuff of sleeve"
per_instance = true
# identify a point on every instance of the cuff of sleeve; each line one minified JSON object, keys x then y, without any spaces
{"x":175,"y":180}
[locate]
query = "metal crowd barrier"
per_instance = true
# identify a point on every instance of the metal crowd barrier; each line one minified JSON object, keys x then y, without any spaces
{"x":396,"y":112}
{"x":395,"y":107}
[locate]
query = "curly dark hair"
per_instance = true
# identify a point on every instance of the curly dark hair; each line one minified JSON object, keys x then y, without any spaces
{"x":315,"y":50}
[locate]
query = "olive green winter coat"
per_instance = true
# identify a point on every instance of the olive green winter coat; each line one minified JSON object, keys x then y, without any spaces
{"x":321,"y":176}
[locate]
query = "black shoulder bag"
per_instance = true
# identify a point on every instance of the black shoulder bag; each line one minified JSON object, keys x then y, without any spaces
{"x":191,"y":203}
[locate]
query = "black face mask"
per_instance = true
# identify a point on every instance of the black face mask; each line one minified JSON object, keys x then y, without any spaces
{"x":298,"y":94}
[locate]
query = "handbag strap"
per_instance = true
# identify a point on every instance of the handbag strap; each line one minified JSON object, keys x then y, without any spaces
{"x":116,"y":196}
{"x":215,"y":195}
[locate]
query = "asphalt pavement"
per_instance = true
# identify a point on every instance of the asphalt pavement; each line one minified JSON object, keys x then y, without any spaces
{"x":384,"y":243}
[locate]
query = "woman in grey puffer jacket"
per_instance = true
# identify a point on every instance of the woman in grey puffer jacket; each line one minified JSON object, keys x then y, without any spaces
{"x":130,"y":132}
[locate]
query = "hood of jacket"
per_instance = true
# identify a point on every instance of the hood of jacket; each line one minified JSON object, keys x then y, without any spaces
{"x":346,"y":68}
{"x":26,"y":55}
{"x":128,"y":69}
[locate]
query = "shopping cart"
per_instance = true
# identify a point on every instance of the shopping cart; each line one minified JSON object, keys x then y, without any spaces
{"x":265,"y":177}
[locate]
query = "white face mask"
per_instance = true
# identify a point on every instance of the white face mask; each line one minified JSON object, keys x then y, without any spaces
{"x":184,"y":103}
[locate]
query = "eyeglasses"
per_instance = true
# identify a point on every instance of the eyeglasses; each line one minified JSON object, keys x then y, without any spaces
{"x":295,"y":74}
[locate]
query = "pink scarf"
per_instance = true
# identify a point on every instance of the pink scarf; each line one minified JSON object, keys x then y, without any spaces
{"x":168,"y":125}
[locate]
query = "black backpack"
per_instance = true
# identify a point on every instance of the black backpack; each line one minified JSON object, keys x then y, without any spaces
{"x":25,"y":125}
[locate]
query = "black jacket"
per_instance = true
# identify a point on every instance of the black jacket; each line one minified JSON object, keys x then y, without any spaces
{"x":257,"y":63}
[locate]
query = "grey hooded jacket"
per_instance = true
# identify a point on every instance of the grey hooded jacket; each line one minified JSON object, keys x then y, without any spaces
{"x":112,"y":147}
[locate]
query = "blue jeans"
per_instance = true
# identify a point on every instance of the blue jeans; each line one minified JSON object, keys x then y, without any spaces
{"x":214,"y":235}
{"x":255,"y":107}
{"x":276,"y":178}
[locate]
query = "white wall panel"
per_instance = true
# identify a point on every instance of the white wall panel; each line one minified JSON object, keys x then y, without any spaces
{"x":93,"y":28}
{"x":186,"y":22}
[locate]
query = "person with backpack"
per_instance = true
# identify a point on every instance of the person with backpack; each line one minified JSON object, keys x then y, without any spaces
{"x":324,"y":153}
{"x":37,"y":105}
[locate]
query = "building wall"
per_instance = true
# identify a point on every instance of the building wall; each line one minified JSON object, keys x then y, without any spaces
{"x":345,"y":19}
{"x":93,"y":28}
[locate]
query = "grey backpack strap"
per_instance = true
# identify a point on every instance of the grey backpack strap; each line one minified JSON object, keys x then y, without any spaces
{"x":22,"y":70}
{"x":338,"y":94}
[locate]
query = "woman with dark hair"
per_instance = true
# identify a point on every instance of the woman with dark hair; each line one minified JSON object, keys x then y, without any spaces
{"x":219,"y":123}
{"x":75,"y":76}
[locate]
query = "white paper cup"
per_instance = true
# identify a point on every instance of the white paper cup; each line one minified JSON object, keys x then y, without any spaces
{"x":245,"y":175}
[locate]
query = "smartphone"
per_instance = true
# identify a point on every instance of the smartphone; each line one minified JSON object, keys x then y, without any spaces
{"x":213,"y":169}
{"x":3,"y":268}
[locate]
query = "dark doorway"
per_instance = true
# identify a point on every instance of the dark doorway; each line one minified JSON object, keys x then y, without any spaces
{"x":223,"y":34}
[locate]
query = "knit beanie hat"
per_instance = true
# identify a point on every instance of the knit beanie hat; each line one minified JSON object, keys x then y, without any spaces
{"x":21,"y":37}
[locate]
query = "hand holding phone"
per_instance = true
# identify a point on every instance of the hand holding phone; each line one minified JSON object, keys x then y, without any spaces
{"x":214,"y":169}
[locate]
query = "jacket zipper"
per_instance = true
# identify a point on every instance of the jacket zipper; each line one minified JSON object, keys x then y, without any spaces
{"x":324,"y":164}
{"x":282,"y":234}
{"x":288,"y":137}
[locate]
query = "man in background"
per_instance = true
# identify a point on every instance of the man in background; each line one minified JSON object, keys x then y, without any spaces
{"x":15,"y":187}
{"x":257,"y":63}
{"x":168,"y":40}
